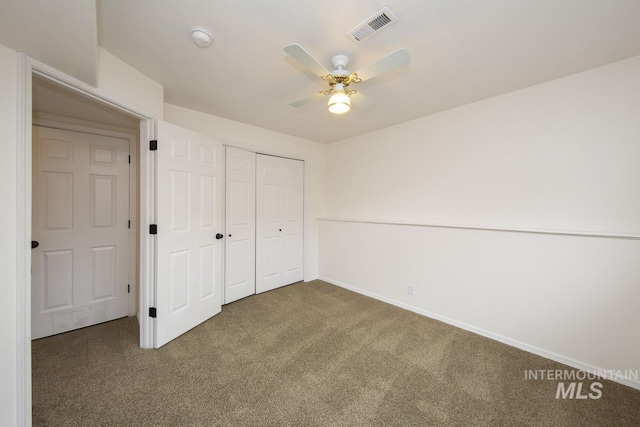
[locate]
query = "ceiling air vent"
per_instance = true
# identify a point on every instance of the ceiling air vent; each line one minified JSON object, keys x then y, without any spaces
{"x":372,"y":25}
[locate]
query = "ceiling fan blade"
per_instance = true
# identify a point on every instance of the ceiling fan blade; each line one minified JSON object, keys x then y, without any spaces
{"x":307,"y":100}
{"x":363,"y":103}
{"x":302,"y":56}
{"x":394,"y":60}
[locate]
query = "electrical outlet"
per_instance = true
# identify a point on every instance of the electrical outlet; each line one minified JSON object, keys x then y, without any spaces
{"x":411,"y":290}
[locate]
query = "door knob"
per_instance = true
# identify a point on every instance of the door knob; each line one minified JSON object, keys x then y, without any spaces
{"x":219,"y":236}
{"x":229,"y":235}
{"x":34,"y":244}
{"x":281,"y":229}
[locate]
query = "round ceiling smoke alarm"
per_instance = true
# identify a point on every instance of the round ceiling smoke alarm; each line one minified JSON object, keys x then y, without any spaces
{"x":201,"y":37}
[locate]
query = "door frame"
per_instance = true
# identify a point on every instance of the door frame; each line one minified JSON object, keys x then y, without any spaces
{"x":53,"y":121}
{"x":27,"y":69}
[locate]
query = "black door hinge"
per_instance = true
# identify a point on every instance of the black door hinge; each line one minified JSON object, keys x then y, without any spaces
{"x":153,"y":229}
{"x":153,"y":145}
{"x":128,"y":289}
{"x":152,"y":312}
{"x":129,"y":224}
{"x":129,"y":159}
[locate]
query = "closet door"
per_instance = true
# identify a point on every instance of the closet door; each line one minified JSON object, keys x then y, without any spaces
{"x":240,"y":259}
{"x":292,"y":189}
{"x":268,"y":229}
{"x":279,"y":222}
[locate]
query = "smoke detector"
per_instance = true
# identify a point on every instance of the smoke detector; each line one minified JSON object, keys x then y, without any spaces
{"x":201,"y":36}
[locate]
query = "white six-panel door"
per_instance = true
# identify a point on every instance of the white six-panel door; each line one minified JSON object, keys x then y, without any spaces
{"x":190,"y":180}
{"x":292,"y":184}
{"x":240,"y":259}
{"x":80,"y":219}
{"x":279,"y":228}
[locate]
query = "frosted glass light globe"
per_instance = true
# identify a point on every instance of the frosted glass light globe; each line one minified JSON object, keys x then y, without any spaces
{"x":339,"y":103}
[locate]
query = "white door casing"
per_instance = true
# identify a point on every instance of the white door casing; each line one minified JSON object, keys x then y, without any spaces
{"x":80,"y":269}
{"x":240,"y":219}
{"x":279,"y":226}
{"x":189,"y":216}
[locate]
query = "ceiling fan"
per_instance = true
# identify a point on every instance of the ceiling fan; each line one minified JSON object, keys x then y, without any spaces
{"x":340,"y":78}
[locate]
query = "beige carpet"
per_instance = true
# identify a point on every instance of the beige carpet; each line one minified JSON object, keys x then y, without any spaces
{"x":310,"y":355}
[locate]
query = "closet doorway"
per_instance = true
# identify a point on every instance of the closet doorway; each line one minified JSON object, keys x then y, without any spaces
{"x":264,"y":223}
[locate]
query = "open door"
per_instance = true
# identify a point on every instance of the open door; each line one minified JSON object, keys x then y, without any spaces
{"x":190,"y":182}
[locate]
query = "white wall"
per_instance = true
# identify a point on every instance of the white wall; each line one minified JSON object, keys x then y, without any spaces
{"x":558,"y":156}
{"x":60,"y":33}
{"x":8,"y":81}
{"x":124,"y":81}
{"x":269,"y":142}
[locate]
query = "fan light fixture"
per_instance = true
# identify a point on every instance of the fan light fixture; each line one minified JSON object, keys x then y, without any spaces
{"x":339,"y":103}
{"x":340,"y":78}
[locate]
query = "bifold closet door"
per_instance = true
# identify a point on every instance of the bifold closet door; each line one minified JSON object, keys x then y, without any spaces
{"x":240,"y":259}
{"x":279,"y":222}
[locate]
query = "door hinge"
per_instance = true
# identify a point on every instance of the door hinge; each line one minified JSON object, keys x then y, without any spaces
{"x":129,"y":224}
{"x":128,"y":289}
{"x":153,"y":145}
{"x":153,"y":229}
{"x":152,"y":312}
{"x":129,"y":159}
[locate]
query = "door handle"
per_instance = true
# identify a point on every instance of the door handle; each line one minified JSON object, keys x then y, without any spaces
{"x":34,"y":244}
{"x":219,"y":236}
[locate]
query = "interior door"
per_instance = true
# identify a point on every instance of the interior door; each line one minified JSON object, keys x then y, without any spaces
{"x":189,"y":230}
{"x":80,"y":221}
{"x":240,"y":219}
{"x":279,"y":225}
{"x":292,"y":183}
{"x":269,"y":230}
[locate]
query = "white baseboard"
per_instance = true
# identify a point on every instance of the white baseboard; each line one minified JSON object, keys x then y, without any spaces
{"x":311,"y":278}
{"x":508,"y":341}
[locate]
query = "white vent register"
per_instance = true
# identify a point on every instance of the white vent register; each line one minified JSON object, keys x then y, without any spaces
{"x":372,"y":25}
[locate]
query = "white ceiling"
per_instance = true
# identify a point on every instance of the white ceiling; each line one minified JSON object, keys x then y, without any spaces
{"x":60,"y":33}
{"x":462,"y":51}
{"x":52,"y":99}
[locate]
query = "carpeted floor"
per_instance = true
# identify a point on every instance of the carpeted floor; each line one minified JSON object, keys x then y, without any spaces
{"x":310,"y":354}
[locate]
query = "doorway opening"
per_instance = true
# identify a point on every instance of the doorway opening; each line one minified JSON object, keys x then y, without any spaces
{"x":264,"y":220}
{"x":84,"y":211}
{"x":28,"y":69}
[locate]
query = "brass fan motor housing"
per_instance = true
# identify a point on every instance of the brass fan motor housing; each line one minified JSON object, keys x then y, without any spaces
{"x":341,"y":79}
